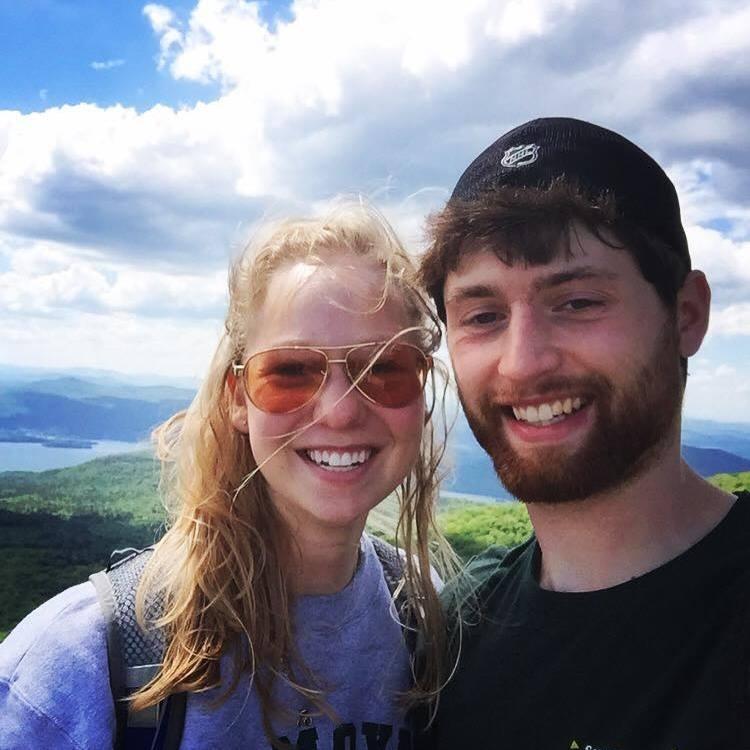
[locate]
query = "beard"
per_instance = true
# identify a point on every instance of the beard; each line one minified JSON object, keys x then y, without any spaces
{"x":633,"y":421}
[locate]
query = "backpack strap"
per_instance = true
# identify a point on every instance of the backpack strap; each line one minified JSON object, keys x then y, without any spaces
{"x":393,"y":571}
{"x":135,"y":655}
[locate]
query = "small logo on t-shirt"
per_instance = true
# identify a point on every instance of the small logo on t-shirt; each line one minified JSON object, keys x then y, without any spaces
{"x":520,"y":156}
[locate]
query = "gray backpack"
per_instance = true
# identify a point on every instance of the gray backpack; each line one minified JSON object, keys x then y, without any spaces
{"x":135,"y":655}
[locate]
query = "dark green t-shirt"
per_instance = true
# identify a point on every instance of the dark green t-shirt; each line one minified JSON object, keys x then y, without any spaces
{"x":660,"y":662}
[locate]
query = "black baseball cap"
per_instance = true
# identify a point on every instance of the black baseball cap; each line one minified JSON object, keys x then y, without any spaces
{"x":596,"y":160}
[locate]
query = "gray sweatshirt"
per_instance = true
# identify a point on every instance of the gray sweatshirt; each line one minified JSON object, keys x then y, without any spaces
{"x":54,"y":685}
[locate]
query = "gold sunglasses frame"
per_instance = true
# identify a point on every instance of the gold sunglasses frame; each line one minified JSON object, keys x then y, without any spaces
{"x":238,"y":370}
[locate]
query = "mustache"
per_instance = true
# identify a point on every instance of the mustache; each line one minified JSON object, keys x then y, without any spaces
{"x":506,"y":394}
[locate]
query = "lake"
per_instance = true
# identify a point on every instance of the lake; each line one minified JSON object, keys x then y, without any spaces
{"x":37,"y":457}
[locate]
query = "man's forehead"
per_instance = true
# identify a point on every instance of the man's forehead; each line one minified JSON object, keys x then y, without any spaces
{"x":480,"y":260}
{"x":482,"y":273}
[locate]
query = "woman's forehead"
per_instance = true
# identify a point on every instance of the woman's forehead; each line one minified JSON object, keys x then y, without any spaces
{"x":332,"y":303}
{"x":355,"y":283}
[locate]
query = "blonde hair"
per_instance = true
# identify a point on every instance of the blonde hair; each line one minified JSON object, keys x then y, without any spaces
{"x":220,"y":563}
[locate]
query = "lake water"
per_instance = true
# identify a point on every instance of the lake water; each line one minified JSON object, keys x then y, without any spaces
{"x":36,"y":457}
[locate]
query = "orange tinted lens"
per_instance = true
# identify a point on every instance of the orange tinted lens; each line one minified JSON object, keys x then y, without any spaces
{"x":283,"y":380}
{"x":395,"y":378}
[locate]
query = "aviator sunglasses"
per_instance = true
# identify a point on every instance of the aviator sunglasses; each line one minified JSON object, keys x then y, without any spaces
{"x":286,"y":378}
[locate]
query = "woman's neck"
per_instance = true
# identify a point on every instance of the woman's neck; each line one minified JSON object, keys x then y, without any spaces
{"x":323,"y":560}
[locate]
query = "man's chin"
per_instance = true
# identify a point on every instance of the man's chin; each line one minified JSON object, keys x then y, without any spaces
{"x":552,"y":476}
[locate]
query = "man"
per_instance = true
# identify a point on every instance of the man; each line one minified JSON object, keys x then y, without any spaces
{"x":561,"y":269}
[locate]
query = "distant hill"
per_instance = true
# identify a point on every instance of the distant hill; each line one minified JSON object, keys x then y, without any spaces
{"x":710,"y":461}
{"x":78,"y":388}
{"x":68,"y":408}
{"x":727,"y":436}
{"x":60,"y":409}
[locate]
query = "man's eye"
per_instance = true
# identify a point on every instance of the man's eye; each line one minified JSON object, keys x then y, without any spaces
{"x":482,"y":319}
{"x":580,"y":303}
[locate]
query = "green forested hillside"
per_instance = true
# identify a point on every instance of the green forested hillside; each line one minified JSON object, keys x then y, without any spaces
{"x":112,"y":486}
{"x":732,"y":482}
{"x":56,"y":527}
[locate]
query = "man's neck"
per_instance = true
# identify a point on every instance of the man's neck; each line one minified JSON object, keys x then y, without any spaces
{"x":601,"y":541}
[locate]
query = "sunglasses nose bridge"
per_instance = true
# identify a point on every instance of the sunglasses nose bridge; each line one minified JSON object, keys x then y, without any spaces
{"x":345,"y":366}
{"x":338,"y":403}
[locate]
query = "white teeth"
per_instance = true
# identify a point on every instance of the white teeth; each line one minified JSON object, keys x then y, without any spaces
{"x":544,"y":413}
{"x":340,"y":461}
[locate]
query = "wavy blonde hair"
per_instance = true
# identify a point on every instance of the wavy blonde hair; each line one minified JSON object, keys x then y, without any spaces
{"x":220,"y":565}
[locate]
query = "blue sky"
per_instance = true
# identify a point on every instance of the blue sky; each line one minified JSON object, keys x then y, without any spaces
{"x":57,"y":52}
{"x":141,"y":143}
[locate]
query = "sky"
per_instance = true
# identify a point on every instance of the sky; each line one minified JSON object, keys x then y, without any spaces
{"x":141,"y":144}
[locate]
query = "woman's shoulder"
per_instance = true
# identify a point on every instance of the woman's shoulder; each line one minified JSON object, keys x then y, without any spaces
{"x":76,"y":605}
{"x":54,"y":680}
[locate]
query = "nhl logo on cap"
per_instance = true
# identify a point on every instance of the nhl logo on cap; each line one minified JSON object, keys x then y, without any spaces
{"x":520,"y":156}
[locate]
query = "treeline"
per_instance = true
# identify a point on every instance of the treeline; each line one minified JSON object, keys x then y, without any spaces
{"x":41,"y":554}
{"x":113,"y":486}
{"x":57,"y":527}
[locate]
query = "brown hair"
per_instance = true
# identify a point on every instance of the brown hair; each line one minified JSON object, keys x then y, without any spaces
{"x":532,"y":226}
{"x":220,"y":564}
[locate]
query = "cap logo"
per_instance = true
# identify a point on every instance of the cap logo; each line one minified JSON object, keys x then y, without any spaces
{"x":520,"y":156}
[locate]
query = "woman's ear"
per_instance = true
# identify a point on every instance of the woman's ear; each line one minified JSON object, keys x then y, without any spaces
{"x":237,"y":403}
{"x":693,"y":303}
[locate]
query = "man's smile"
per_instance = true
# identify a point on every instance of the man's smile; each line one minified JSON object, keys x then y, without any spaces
{"x":548,"y":412}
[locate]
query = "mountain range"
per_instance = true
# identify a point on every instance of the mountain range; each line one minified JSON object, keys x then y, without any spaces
{"x":73,"y":410}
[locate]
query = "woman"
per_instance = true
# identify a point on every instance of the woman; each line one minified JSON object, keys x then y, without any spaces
{"x":279,"y":624}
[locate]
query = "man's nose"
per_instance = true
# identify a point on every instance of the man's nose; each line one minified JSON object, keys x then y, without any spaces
{"x":528,"y":348}
{"x":339,"y":405}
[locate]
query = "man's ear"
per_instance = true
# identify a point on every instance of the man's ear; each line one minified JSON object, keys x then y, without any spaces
{"x":237,"y":403}
{"x":693,"y":303}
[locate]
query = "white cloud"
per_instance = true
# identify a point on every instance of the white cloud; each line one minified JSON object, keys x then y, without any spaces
{"x":162,"y":19}
{"x":733,"y":320}
{"x":122,"y":342}
{"x":115,"y":209}
{"x":698,"y":183}
{"x":107,"y":64}
{"x":726,"y":263}
{"x":717,"y":391}
{"x":45,"y":278}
